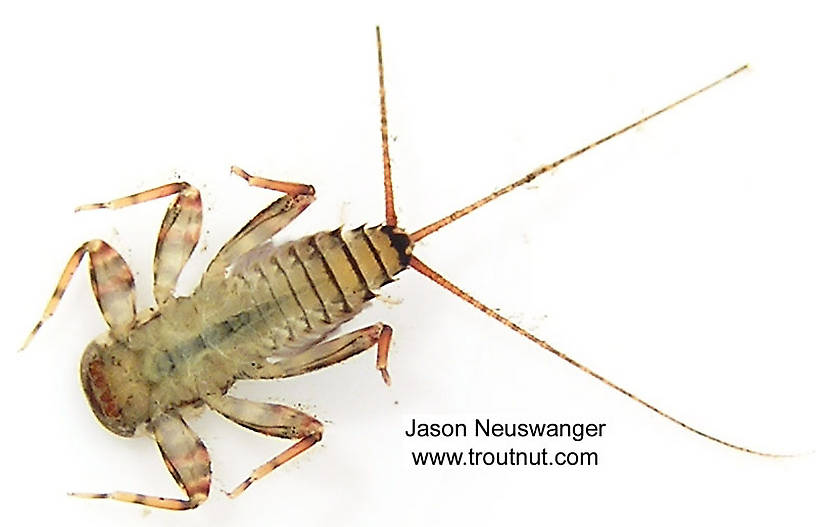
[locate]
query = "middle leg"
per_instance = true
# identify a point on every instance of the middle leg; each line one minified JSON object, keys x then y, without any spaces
{"x":264,"y":225}
{"x":178,"y":235}
{"x":273,"y":420}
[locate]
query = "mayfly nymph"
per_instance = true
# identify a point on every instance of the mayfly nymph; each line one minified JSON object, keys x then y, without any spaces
{"x":262,"y":310}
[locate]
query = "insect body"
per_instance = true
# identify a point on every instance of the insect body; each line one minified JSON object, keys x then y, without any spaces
{"x":261,"y":311}
{"x":256,"y":302}
{"x":276,"y":302}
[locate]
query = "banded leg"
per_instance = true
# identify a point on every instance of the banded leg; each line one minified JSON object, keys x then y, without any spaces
{"x":273,"y":420}
{"x":112,"y":284}
{"x":186,"y":459}
{"x":178,"y":236}
{"x":265,"y":224}
{"x":333,"y":351}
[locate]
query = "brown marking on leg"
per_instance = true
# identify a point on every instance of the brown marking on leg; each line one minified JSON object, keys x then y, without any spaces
{"x":112,"y":283}
{"x":383,"y":345}
{"x":333,"y":351}
{"x":298,"y":448}
{"x":264,"y":225}
{"x":178,"y":236}
{"x":258,"y":230}
{"x":170,"y":504}
{"x":185,"y":456}
{"x":288,"y":187}
{"x":273,"y":420}
{"x":139,"y":197}
{"x":62,"y":283}
{"x":186,"y":459}
{"x":266,"y":418}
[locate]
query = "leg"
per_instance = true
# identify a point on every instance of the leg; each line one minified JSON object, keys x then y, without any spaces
{"x":333,"y":351}
{"x":186,"y":459}
{"x":273,"y":420}
{"x":112,"y":284}
{"x":265,"y":224}
{"x":178,"y":235}
{"x":287,"y":187}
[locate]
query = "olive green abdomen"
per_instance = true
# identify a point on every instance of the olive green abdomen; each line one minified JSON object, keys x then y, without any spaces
{"x":275,"y":301}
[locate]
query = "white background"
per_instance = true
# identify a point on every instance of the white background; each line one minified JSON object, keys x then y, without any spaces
{"x":677,"y":260}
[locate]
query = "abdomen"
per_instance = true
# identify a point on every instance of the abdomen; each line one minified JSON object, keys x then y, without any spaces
{"x":277,"y":300}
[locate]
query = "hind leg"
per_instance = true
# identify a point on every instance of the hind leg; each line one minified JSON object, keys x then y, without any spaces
{"x":333,"y":351}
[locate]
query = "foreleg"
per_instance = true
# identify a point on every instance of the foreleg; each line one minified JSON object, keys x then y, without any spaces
{"x":112,"y":283}
{"x":186,"y":459}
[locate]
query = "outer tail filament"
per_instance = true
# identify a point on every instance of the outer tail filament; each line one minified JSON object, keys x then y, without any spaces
{"x":447,"y":220}
{"x":422,"y":268}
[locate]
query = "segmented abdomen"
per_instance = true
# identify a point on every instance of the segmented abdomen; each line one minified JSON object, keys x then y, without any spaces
{"x":278,"y":299}
{"x":274,"y":301}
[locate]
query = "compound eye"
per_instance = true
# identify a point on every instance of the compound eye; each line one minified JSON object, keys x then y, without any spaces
{"x":96,"y":381}
{"x":101,"y":389}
